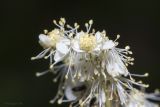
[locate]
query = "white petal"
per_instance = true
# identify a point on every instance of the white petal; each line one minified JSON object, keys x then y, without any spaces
{"x":58,"y":56}
{"x":108,"y":44}
{"x":150,"y":104}
{"x":112,"y":70}
{"x":69,"y":93}
{"x":66,"y":41}
{"x":63,"y":48}
{"x":45,"y":41}
{"x":75,"y":46}
{"x":98,"y":37}
{"x":97,"y":49}
{"x":78,"y":35}
{"x":115,"y":66}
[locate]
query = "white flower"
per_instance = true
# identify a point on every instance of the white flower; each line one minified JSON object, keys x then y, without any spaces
{"x":70,"y":91}
{"x":93,"y":71}
{"x":91,"y":42}
{"x":75,"y":91}
{"x":116,"y":60}
{"x":56,"y":44}
{"x":114,"y":65}
{"x":82,"y":69}
{"x":123,"y":95}
{"x":139,"y":99}
{"x":69,"y":94}
{"x":50,"y":40}
{"x":84,"y":42}
{"x":62,"y":49}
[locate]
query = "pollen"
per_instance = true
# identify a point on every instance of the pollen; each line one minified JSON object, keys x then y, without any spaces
{"x":54,"y":35}
{"x":87,"y":42}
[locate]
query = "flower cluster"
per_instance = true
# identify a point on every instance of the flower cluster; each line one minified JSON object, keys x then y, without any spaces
{"x":91,"y":69}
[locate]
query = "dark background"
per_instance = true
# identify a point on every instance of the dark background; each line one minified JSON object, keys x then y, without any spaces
{"x":21,"y":21}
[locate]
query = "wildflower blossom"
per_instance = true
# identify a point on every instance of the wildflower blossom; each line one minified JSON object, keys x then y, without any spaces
{"x":56,"y":43}
{"x":116,"y":61}
{"x":91,"y":42}
{"x":140,"y":99}
{"x":93,"y":70}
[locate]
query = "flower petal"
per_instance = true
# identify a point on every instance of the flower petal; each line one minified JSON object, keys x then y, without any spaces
{"x":69,"y":93}
{"x":65,"y":41}
{"x":45,"y":41}
{"x":108,"y":44}
{"x":98,"y":37}
{"x":63,"y":48}
{"x":115,"y":66}
{"x":58,"y":56}
{"x":75,"y":46}
{"x":78,"y":35}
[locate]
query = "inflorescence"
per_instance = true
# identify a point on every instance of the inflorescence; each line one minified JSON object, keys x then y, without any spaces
{"x":91,"y":69}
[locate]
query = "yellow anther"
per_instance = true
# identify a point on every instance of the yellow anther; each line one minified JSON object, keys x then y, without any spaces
{"x":127,"y":47}
{"x":87,"y":42}
{"x":90,"y":22}
{"x":118,"y":36}
{"x":59,"y":101}
{"x":63,"y":20}
{"x":45,"y":31}
{"x":54,"y":35}
{"x":146,"y":74}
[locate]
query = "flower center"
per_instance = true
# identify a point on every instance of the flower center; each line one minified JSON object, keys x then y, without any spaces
{"x":54,"y":35}
{"x":87,"y":42}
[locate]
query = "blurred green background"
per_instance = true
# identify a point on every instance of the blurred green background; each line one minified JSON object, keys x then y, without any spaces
{"x":137,"y":21}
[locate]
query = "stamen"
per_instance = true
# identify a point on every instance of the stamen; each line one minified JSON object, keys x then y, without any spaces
{"x":40,"y":55}
{"x":41,"y":73}
{"x":138,"y":84}
{"x":55,"y":22}
{"x":57,"y":77}
{"x":51,"y":53}
{"x":118,"y":36}
{"x":111,"y":95}
{"x":87,"y":26}
{"x":59,"y":101}
{"x":45,"y":31}
{"x":90,"y":25}
{"x":53,"y":100}
{"x":91,"y":22}
{"x":68,"y":26}
{"x":138,"y":75}
{"x":127,"y":47}
{"x":124,"y":84}
{"x":63,"y":20}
